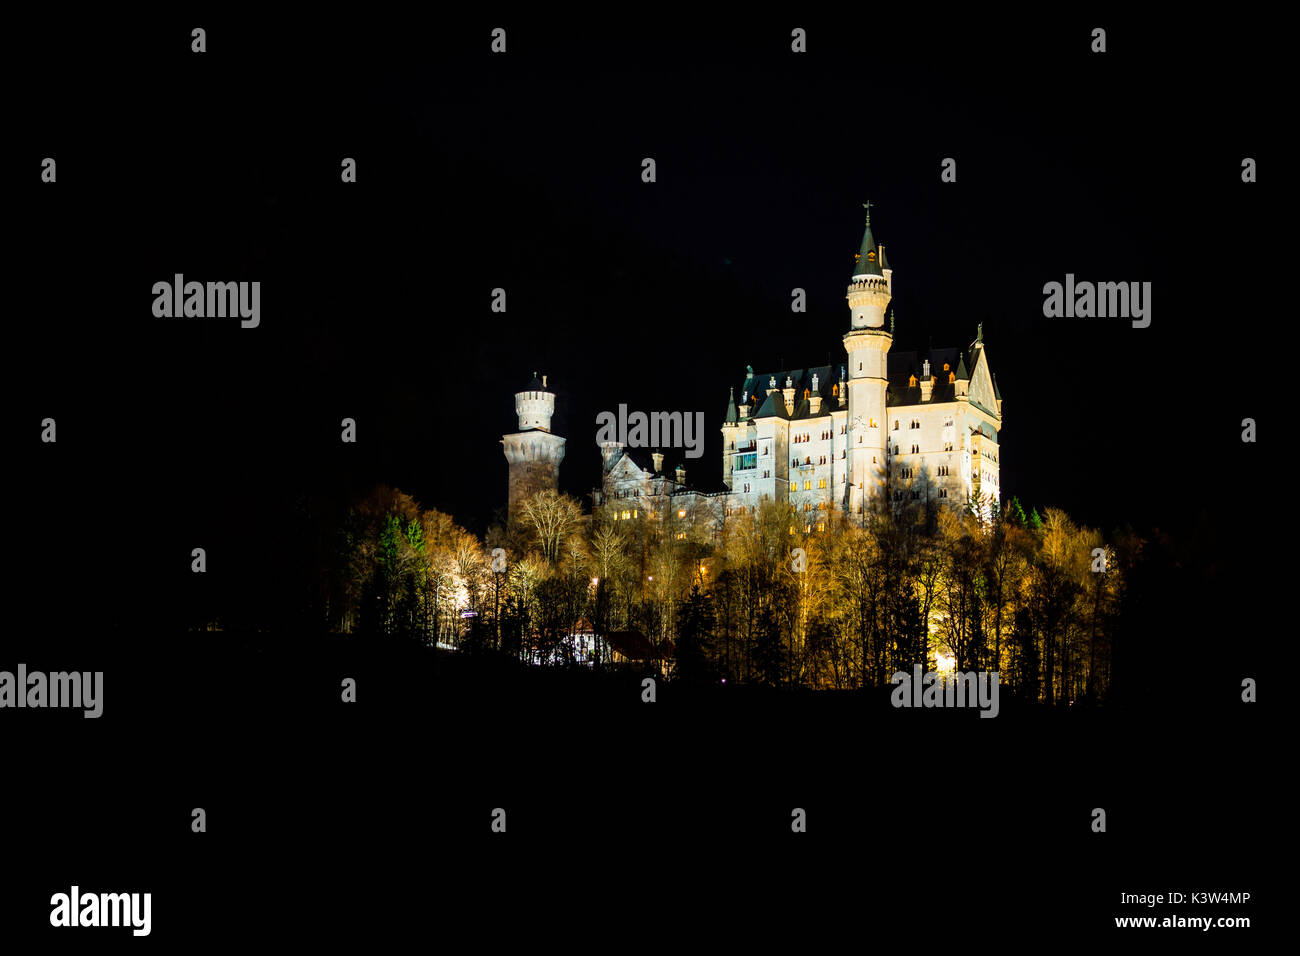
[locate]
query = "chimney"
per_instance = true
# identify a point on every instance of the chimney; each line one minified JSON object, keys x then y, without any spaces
{"x":815,"y":400}
{"x":743,"y":409}
{"x":543,"y":381}
{"x":927,"y":381}
{"x":788,"y":392}
{"x":681,"y":474}
{"x":658,"y":459}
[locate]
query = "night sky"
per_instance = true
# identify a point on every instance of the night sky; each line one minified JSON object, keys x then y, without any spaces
{"x":522,"y":171}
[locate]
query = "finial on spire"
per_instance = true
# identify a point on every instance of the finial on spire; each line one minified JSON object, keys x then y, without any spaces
{"x":867,"y":206}
{"x":979,"y":332}
{"x":891,"y":322}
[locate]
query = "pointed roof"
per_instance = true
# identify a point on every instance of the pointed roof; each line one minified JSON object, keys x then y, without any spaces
{"x":884,"y":259}
{"x":865,"y":262}
{"x":962,"y":374}
{"x":996,"y":393}
{"x":731,"y":407}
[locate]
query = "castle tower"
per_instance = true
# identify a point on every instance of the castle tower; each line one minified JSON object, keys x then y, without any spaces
{"x":730,"y":433}
{"x":533,"y":452}
{"x":867,"y":344}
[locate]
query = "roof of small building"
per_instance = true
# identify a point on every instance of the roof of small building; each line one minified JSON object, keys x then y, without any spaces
{"x":635,"y":646}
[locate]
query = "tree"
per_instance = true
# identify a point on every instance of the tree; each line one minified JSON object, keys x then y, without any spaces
{"x":552,"y":517}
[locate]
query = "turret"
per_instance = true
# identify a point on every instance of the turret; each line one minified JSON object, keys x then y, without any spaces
{"x":867,"y":346}
{"x":870,"y":289}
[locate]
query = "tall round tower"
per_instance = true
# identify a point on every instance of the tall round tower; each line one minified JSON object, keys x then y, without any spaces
{"x":533,"y":452}
{"x":867,"y":344}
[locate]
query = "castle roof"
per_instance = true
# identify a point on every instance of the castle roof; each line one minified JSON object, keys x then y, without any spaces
{"x":902,"y":366}
{"x":864,"y":263}
{"x":771,"y":402}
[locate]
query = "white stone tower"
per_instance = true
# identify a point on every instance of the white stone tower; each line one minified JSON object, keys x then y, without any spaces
{"x":867,"y":344}
{"x":533,"y":452}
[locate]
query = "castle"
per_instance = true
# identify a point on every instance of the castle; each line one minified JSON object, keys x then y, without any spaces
{"x":897,"y":426}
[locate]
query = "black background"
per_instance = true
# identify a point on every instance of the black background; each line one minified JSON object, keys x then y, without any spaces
{"x":667,"y":824}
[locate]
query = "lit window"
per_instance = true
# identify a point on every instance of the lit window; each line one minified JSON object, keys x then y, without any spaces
{"x":681,"y":512}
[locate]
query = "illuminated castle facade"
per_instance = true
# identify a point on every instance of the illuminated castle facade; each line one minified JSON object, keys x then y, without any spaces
{"x":880,"y":427}
{"x":897,"y":425}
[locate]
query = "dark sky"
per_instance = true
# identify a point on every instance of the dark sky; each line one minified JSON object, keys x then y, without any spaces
{"x":523,"y":171}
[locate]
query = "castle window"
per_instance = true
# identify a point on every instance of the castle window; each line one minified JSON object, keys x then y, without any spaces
{"x":952,"y":377}
{"x":626,"y":515}
{"x":915,"y":449}
{"x":943,"y":492}
{"x":871,"y":423}
{"x":916,"y":495}
{"x":681,"y":512}
{"x":794,"y":486}
{"x":807,"y":485}
{"x":895,"y":424}
{"x":945,"y":366}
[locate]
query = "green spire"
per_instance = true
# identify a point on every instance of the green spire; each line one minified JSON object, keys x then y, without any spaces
{"x":731,"y":407}
{"x":865,"y":263}
{"x":962,"y":374}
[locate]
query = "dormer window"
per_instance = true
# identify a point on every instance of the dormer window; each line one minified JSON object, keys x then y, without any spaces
{"x":911,"y":382}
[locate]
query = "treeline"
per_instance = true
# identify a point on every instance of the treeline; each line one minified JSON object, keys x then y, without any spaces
{"x":751,"y":598}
